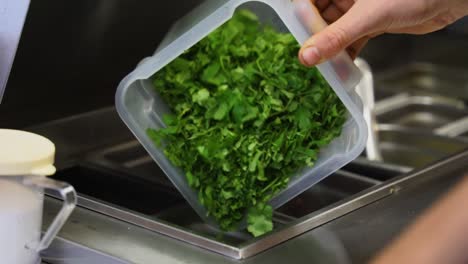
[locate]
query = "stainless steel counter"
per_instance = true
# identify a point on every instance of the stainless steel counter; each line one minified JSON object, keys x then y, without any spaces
{"x":369,"y":229}
{"x":90,"y":237}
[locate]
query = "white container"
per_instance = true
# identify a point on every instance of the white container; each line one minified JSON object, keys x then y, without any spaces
{"x":141,"y":108}
{"x":25,"y":160}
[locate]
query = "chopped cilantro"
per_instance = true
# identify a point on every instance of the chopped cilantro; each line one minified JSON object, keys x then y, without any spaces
{"x":246,"y":117}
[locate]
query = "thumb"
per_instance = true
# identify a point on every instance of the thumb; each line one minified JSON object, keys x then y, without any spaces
{"x":353,"y":25}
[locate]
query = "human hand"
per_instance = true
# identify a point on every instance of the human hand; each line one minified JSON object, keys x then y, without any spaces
{"x":440,"y":235}
{"x":353,"y":23}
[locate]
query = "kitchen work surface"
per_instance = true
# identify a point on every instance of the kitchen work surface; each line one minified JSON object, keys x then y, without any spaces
{"x":120,"y":180}
{"x":125,"y":201}
{"x":143,"y":200}
{"x":338,"y":241}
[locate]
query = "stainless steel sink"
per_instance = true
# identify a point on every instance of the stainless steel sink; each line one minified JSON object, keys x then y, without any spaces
{"x":333,"y":189}
{"x":458,"y":128}
{"x":377,"y":170}
{"x":415,"y":148}
{"x":163,"y":210}
{"x":416,"y":129}
{"x":418,"y":111}
{"x":121,"y":181}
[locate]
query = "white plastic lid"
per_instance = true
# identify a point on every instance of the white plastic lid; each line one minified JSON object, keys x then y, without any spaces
{"x":25,"y":153}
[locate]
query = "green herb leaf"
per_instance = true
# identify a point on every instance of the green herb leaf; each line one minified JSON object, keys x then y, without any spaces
{"x":259,"y":219}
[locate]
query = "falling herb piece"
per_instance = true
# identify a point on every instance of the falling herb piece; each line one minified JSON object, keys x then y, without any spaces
{"x":259,"y":219}
{"x":246,"y":117}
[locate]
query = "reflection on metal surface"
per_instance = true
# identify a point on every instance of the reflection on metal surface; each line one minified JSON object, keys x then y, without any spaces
{"x":424,"y":78}
{"x":332,"y":243}
{"x":454,"y":129}
{"x":417,"y":129}
{"x":376,"y":170}
{"x":75,"y":136}
{"x":414,"y":148}
{"x":330,"y":191}
{"x":64,"y":251}
{"x":365,"y":89}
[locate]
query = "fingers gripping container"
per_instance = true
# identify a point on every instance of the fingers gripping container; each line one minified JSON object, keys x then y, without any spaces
{"x":141,"y":108}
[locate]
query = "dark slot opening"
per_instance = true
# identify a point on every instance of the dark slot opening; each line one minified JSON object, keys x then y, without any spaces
{"x":331,"y":190}
{"x":120,"y":189}
{"x":381,"y":172}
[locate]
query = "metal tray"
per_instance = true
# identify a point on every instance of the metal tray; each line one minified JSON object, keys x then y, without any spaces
{"x":458,"y":128}
{"x":424,"y":112}
{"x":114,"y":187}
{"x":143,"y":201}
{"x":335,"y":188}
{"x":376,"y":169}
{"x":414,"y":148}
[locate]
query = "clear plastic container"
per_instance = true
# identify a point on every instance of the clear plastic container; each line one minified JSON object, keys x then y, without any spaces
{"x":141,"y":108}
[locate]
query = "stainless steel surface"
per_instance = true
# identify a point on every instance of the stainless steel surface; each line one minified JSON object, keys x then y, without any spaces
{"x":75,"y":136}
{"x":422,"y":120}
{"x":115,"y":177}
{"x":129,"y":157}
{"x":97,"y":166}
{"x":422,"y":112}
{"x":365,"y":89}
{"x":352,"y":238}
{"x":367,"y":231}
{"x":63,"y":251}
{"x":414,"y":148}
{"x":334,"y":189}
{"x":177,"y":222}
{"x":376,"y":170}
{"x":329,"y":199}
{"x":424,"y":78}
{"x":183,"y":224}
{"x":119,"y":180}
